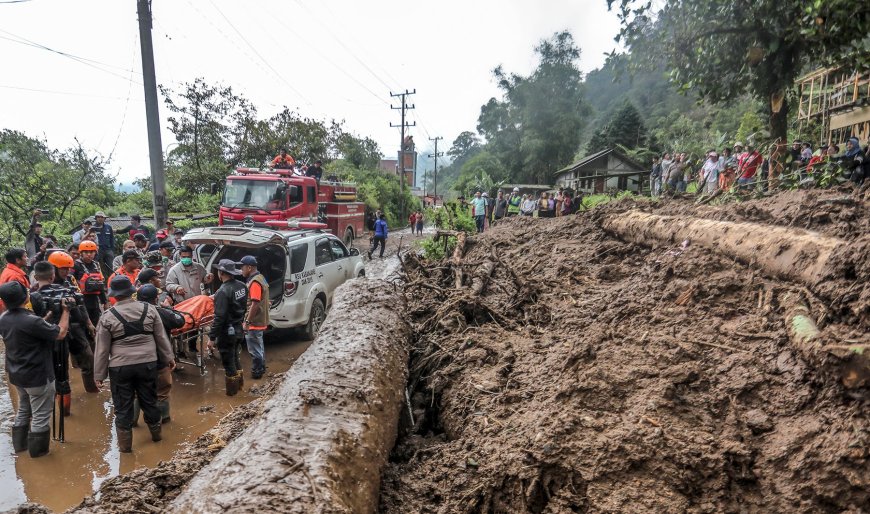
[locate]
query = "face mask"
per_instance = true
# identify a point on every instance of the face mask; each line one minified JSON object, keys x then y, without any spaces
{"x":187,"y":261}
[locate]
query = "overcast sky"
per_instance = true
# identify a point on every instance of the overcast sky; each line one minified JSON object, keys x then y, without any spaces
{"x":329,"y":59}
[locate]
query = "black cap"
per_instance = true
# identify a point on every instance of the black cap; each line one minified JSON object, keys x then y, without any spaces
{"x":179,"y":231}
{"x":228,"y":266}
{"x":121,"y":286}
{"x":130,"y":255}
{"x":13,"y":294}
{"x":185,"y":249}
{"x":167,"y":244}
{"x":147,"y":293}
{"x":140,"y":237}
{"x":146,"y":275}
{"x":248,"y":260}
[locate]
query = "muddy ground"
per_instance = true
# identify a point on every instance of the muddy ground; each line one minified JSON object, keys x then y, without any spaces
{"x":594,"y":375}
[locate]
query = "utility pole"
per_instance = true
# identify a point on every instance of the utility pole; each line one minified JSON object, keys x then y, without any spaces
{"x":436,"y":155}
{"x":155,"y":147}
{"x":404,"y":107}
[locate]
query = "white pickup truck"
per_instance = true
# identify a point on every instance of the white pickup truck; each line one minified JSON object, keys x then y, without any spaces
{"x":303,"y":268}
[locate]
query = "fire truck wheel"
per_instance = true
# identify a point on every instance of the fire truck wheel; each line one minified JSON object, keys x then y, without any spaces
{"x":348,"y":237}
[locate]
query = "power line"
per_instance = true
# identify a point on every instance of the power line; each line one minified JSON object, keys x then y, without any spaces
{"x":242,"y":36}
{"x":404,"y":107}
{"x":82,"y":60}
{"x":340,"y":42}
{"x":55,"y":92}
{"x":126,"y":102}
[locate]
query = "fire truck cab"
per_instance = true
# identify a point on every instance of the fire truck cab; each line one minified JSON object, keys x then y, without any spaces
{"x":261,"y":198}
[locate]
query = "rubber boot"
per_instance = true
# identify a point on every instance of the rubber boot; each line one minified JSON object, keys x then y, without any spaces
{"x":67,"y":403}
{"x":89,"y":383}
{"x":37,"y":443}
{"x":163,"y":405}
{"x":136,"y":412}
{"x":125,"y":441}
{"x":232,"y":385}
{"x":241,"y":377}
{"x":19,"y":438}
{"x":156,"y":430}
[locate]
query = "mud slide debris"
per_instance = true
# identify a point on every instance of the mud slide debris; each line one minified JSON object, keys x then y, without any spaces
{"x":589,"y":373}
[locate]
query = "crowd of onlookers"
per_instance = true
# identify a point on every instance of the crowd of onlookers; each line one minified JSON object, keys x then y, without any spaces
{"x":746,"y":167}
{"x":486,"y":210}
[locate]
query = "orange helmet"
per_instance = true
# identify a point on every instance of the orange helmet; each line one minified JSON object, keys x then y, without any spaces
{"x":61,"y":260}
{"x":87,"y":246}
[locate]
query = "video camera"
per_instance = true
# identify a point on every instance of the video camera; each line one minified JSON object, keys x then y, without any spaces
{"x":55,"y":296}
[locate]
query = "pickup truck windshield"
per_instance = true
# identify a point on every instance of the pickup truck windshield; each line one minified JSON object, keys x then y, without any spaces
{"x":268,"y":195}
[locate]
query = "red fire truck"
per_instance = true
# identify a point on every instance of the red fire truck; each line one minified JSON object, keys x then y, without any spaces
{"x":278,"y":199}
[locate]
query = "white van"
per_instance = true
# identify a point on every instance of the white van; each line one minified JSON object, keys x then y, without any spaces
{"x":303,"y":268}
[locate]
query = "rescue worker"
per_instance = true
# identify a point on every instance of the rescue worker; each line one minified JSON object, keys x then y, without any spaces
{"x":187,"y":278}
{"x":283,"y":161}
{"x":171,"y":320}
{"x":91,"y":281}
{"x":226,"y":332}
{"x":131,"y":340}
{"x":28,"y":341}
{"x":81,"y":329}
{"x":130,"y":268}
{"x":135,"y":227}
{"x":513,"y":208}
{"x":16,"y":262}
{"x":257,"y":317}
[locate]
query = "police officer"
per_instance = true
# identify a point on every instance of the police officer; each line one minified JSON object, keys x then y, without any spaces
{"x":230,"y":302}
{"x":29,"y":341}
{"x":171,"y":319}
{"x":131,"y":340}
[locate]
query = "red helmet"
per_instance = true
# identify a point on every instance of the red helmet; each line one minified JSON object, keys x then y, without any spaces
{"x":61,"y":260}
{"x":87,"y":246}
{"x":161,"y":234}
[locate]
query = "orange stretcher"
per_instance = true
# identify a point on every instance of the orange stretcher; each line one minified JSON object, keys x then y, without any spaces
{"x":189,"y":341}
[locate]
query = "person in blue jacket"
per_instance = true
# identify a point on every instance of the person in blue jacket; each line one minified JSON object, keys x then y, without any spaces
{"x":380,"y":236}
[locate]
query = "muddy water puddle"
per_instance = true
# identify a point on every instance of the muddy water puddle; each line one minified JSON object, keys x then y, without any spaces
{"x":75,"y":468}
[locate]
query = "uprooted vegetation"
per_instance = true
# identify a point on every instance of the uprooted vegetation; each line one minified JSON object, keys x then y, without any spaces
{"x":559,"y":367}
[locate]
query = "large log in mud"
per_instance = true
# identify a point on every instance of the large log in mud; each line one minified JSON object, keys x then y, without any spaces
{"x":324,"y":437}
{"x":787,"y":252}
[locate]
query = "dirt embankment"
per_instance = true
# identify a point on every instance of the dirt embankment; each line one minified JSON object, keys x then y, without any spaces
{"x":596,"y":375}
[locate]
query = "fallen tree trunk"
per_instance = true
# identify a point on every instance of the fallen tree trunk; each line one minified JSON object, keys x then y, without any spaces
{"x":787,"y":252}
{"x":852,"y":368}
{"x":325,"y":435}
{"x":481,"y":277}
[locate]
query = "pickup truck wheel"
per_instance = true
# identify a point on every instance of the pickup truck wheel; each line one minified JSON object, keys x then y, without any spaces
{"x":315,"y":319}
{"x":348,"y":237}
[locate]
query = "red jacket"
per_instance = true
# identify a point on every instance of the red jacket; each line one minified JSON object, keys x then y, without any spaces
{"x":747,"y":164}
{"x":13,"y":273}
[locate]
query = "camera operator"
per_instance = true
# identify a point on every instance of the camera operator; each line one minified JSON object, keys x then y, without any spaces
{"x":130,"y":342}
{"x":81,"y":329}
{"x":29,"y":341}
{"x":93,"y":284}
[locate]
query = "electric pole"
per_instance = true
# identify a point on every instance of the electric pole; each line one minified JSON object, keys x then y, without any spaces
{"x":404,"y":107}
{"x":155,"y":147}
{"x":436,"y":155}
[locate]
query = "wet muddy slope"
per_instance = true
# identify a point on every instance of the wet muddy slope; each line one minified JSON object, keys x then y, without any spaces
{"x":597,"y":375}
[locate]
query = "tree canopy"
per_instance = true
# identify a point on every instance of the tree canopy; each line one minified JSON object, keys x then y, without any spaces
{"x":722,"y":50}
{"x":535,"y":128}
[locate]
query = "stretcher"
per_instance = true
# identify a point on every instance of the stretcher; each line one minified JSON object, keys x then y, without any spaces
{"x":190,"y":341}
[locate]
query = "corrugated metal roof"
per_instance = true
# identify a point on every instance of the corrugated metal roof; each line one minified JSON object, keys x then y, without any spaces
{"x":590,"y":158}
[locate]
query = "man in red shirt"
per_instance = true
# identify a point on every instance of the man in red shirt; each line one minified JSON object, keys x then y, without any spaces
{"x":747,"y":166}
{"x":16,"y":261}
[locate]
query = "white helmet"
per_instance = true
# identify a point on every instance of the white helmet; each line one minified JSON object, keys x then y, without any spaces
{"x":516,"y":190}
